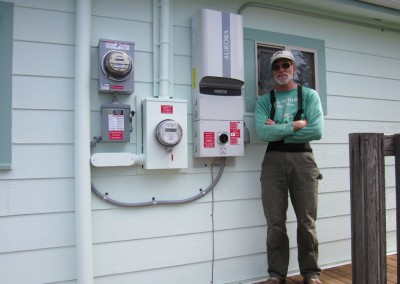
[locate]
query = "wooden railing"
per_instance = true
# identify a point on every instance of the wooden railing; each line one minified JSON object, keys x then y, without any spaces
{"x":368,"y":211}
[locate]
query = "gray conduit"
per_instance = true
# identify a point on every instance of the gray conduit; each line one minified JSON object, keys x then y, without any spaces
{"x":202,"y":193}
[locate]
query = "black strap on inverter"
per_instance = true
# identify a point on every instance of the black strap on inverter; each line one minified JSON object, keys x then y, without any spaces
{"x":299,"y":101}
{"x":281,"y":145}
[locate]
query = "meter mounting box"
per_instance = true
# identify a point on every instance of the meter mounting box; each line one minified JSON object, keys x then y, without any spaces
{"x":165,"y":133}
{"x":116,"y":67}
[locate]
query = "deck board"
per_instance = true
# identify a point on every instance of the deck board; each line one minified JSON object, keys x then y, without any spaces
{"x":342,"y":274}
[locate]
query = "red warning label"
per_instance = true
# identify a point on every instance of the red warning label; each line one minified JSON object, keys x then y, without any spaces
{"x":235,"y":132}
{"x":209,"y":139}
{"x":117,"y":87}
{"x":169,"y":109}
{"x":116,"y":135}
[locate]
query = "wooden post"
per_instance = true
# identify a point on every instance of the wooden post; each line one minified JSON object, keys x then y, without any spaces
{"x":368,"y":215}
{"x":396,"y":147}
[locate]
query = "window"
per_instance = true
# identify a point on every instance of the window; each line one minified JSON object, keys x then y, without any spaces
{"x":260,"y":45}
{"x":6,"y":39}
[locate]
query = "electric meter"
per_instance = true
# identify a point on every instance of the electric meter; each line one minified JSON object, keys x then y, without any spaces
{"x":169,"y":133}
{"x":117,"y":65}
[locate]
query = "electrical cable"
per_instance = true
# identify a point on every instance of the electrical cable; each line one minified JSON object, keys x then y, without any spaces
{"x":212,"y":227}
{"x":105,"y":197}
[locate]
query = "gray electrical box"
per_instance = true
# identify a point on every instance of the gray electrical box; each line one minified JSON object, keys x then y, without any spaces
{"x":116,"y":67}
{"x":116,"y":122}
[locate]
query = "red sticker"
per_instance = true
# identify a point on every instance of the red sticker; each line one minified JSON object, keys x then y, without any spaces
{"x":169,"y":109}
{"x":116,"y":135}
{"x":235,"y":133}
{"x":209,"y":139}
{"x":117,"y":87}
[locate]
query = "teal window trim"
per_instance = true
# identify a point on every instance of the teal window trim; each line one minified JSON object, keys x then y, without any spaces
{"x":6,"y":39}
{"x":252,"y":36}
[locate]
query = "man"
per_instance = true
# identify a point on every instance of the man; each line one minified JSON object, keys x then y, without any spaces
{"x":289,"y":168}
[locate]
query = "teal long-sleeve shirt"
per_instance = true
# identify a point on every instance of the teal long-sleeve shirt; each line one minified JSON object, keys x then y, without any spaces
{"x":285,"y":109}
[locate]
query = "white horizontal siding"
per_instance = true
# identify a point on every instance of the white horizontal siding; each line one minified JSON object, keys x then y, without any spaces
{"x":359,"y":86}
{"x":45,"y":231}
{"x":41,"y":55}
{"x":57,"y":6}
{"x":138,"y":11}
{"x":172,"y":243}
{"x":153,"y":253}
{"x":123,"y":29}
{"x":41,"y":266}
{"x":336,"y":34}
{"x":148,"y":223}
{"x":43,"y":93}
{"x":364,"y":109}
{"x":338,"y":130}
{"x":39,"y":21}
{"x":48,"y":126}
{"x":352,"y":62}
{"x":197,"y":273}
{"x":41,"y":161}
{"x":36,"y":196}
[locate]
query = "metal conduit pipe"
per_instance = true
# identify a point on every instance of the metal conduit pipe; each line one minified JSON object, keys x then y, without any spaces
{"x":202,"y":193}
{"x":317,"y":15}
{"x":83,"y":205}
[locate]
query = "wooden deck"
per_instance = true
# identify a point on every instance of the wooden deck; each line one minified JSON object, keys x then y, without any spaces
{"x":342,"y":274}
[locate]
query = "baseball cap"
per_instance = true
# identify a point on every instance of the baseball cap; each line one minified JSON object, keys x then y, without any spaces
{"x":282,"y":54}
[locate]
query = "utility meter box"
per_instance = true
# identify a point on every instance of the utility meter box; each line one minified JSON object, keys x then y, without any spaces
{"x":116,"y":67}
{"x":165,"y":133}
{"x":217,"y":83}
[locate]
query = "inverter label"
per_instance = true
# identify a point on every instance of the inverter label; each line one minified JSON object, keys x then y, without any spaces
{"x":209,"y":139}
{"x":235,"y":133}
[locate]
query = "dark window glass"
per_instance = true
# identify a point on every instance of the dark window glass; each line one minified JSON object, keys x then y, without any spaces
{"x":264,"y":76}
{"x":305,"y":74}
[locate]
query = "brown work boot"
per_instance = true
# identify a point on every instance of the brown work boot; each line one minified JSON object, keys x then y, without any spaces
{"x":275,"y":280}
{"x":312,"y":280}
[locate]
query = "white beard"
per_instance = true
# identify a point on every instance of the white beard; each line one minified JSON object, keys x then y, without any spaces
{"x":284,"y":81}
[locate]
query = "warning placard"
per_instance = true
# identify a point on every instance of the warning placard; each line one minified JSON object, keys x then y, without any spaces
{"x":116,"y":135}
{"x":116,"y":124}
{"x":209,"y":139}
{"x":169,"y":109}
{"x":235,"y":132}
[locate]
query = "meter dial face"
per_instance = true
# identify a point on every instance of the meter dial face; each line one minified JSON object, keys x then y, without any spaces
{"x":117,"y":65}
{"x":169,"y":133}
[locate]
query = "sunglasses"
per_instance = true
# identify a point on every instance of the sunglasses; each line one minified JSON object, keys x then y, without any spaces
{"x":277,"y":67}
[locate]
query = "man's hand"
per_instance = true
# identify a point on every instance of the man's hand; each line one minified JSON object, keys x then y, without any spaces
{"x":269,"y":122}
{"x":299,"y":124}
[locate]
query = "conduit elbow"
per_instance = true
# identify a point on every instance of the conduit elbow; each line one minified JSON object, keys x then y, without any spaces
{"x":116,"y":159}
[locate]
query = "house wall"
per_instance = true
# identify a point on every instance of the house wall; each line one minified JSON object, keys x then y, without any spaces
{"x":219,"y":238}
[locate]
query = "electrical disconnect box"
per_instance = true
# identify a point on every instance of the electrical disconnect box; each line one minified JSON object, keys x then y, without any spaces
{"x":217,"y":84}
{"x":165,"y":133}
{"x":116,"y":68}
{"x":116,"y":125}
